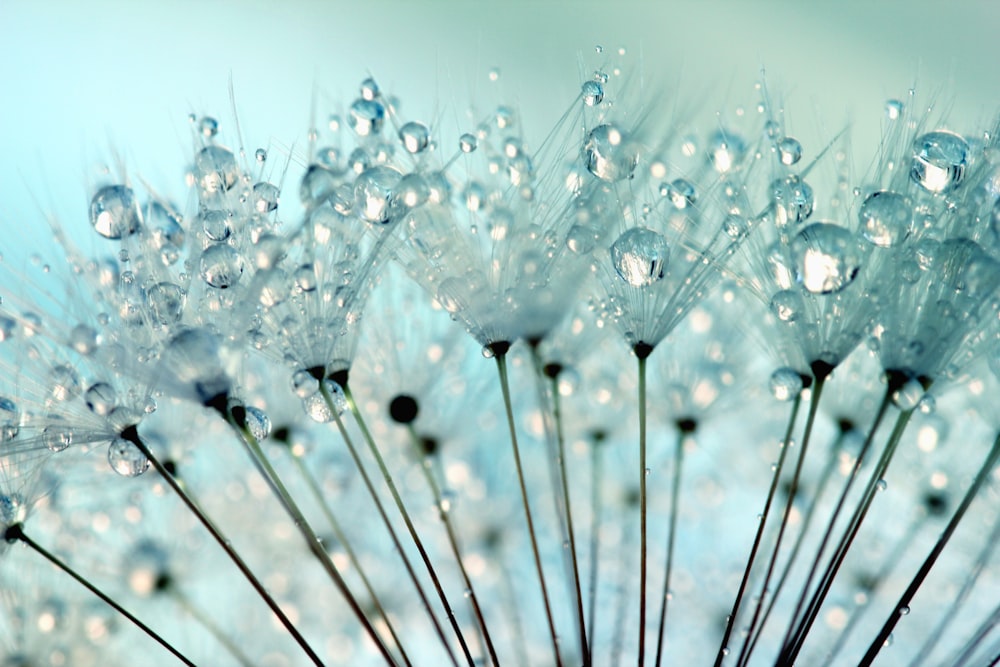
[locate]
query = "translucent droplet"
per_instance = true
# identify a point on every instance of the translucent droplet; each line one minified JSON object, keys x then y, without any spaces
{"x":609,"y":154}
{"x":735,"y":226}
{"x":793,"y":200}
{"x":411,"y":192}
{"x":101,"y":398}
{"x":215,"y":169}
{"x":305,"y":278}
{"x":893,"y":109}
{"x":316,"y":406}
{"x":10,"y":419}
{"x":82,"y":338}
{"x":265,"y":197}
{"x":367,"y":117}
{"x":581,"y":239}
{"x":373,"y":192}
{"x":165,"y":231}
{"x":827,"y":258}
{"x":65,"y":382}
{"x":258,"y":423}
{"x":789,"y":150}
{"x":369,"y":89}
{"x":13,"y":509}
{"x":165,"y":302}
{"x":909,"y":395}
{"x":939,"y":161}
{"x":725,"y":151}
{"x":208,"y":127}
{"x":221,"y":266}
{"x":304,"y":384}
{"x":788,"y":305}
{"x":640,"y":256}
{"x":886,"y":218}
{"x":114,"y":213}
{"x":415,"y":136}
{"x":468,"y":143}
{"x":260,"y":155}
{"x":785,"y":384}
{"x":192,"y":359}
{"x":682,"y":193}
{"x":57,"y":438}
{"x":592,"y":92}
{"x":126,"y":459}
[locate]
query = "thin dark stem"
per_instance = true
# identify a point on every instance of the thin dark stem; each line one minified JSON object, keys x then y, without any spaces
{"x":903,"y":605}
{"x":596,"y":507}
{"x":984,"y":629}
{"x":403,"y":512}
{"x":456,"y":550}
{"x":206,"y":621}
{"x":643,"y":473}
{"x":341,"y":537}
{"x":817,"y":392}
{"x":16,"y":533}
{"x":790,"y":652}
{"x":501,"y":359}
{"x":178,"y":487}
{"x":731,"y":620}
{"x":675,"y":495}
{"x":314,"y":544}
{"x":370,"y":486}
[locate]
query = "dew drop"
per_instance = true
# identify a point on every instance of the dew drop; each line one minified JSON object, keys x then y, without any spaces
{"x":367,"y":117}
{"x":216,"y":170}
{"x":581,"y":239}
{"x":609,"y":154}
{"x":939,"y":161}
{"x":886,"y":218}
{"x":82,"y":338}
{"x":785,"y":384}
{"x":101,"y":398}
{"x":304,"y":384}
{"x":640,"y":256}
{"x":192,"y":357}
{"x":316,"y":407}
{"x":260,"y":155}
{"x":893,"y":109}
{"x":725,"y":151}
{"x":221,"y":266}
{"x":827,"y":258}
{"x":415,"y":137}
{"x":592,"y":92}
{"x":57,"y":438}
{"x":10,"y":419}
{"x":126,"y":459}
{"x":265,"y":197}
{"x":114,"y":213}
{"x":793,"y":200}
{"x":909,"y":395}
{"x":166,"y":303}
{"x":468,"y":143}
{"x":217,"y":224}
{"x":788,"y":305}
{"x":790,"y":151}
{"x":65,"y":382}
{"x":373,"y":193}
{"x":257,"y":422}
{"x":13,"y":509}
{"x":208,"y":127}
{"x":682,"y":193}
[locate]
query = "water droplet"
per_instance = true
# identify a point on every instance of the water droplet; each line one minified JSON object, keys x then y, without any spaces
{"x":65,"y":382}
{"x":257,"y":422}
{"x":788,"y":305}
{"x":793,"y":200}
{"x":593,"y":93}
{"x":909,"y":395}
{"x":221,"y":266}
{"x":640,"y":256}
{"x":316,"y":407}
{"x":217,"y":225}
{"x":13,"y":509}
{"x":904,"y":610}
{"x":126,"y":459}
{"x":468,"y":143}
{"x":893,"y":109}
{"x":415,"y":136}
{"x":101,"y":398}
{"x":411,"y":191}
{"x":736,"y":226}
{"x":10,"y":419}
{"x":215,"y":170}
{"x":939,"y":161}
{"x":827,"y":258}
{"x":886,"y":218}
{"x":725,"y":151}
{"x":192,"y":359}
{"x":581,"y":239}
{"x":304,"y":384}
{"x":165,"y":231}
{"x":57,"y":438}
{"x":367,"y":117}
{"x":682,"y":193}
{"x":305,"y":277}
{"x":265,"y":197}
{"x":208,"y":127}
{"x":82,"y":338}
{"x":260,"y":155}
{"x":373,"y":193}
{"x":790,"y":151}
{"x":114,"y":213}
{"x":882,"y":485}
{"x":785,"y":384}
{"x":609,"y":154}
{"x":166,"y":303}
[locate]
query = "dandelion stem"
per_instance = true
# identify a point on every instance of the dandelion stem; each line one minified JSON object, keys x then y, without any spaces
{"x":731,"y":620}
{"x":500,"y":354}
{"x":596,"y":507}
{"x":313,"y":542}
{"x":790,"y":652}
{"x":341,"y":538}
{"x":903,"y":605}
{"x":206,"y":621}
{"x":456,"y":550}
{"x":370,"y":486}
{"x":675,"y":494}
{"x":15,"y":533}
{"x":817,"y":391}
{"x":132,"y":435}
{"x":642,"y":504}
{"x":984,"y":629}
{"x":401,"y":506}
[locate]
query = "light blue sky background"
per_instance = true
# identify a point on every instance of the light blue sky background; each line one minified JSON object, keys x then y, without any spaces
{"x":78,"y":79}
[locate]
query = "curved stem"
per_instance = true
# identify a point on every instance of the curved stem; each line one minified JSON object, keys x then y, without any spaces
{"x":501,"y":359}
{"x":16,"y":533}
{"x":132,"y":435}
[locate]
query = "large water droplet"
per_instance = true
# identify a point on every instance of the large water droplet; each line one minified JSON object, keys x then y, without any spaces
{"x":257,"y":422}
{"x":788,"y":305}
{"x":215,"y":169}
{"x":886,"y":218}
{"x":166,"y":303}
{"x":939,"y":161}
{"x":193,"y":359}
{"x":682,"y":193}
{"x":265,"y":197}
{"x":827,"y":257}
{"x":581,"y":239}
{"x":908,"y":396}
{"x":415,"y":136}
{"x":101,"y":398}
{"x":221,"y":266}
{"x":126,"y":459}
{"x":609,"y":154}
{"x":114,"y":213}
{"x":785,"y":384}
{"x":367,"y":117}
{"x":725,"y":151}
{"x":65,"y":382}
{"x":592,"y":92}
{"x":373,"y":193}
{"x":640,"y":256}
{"x":317,"y":408}
{"x":789,"y":150}
{"x":793,"y":200}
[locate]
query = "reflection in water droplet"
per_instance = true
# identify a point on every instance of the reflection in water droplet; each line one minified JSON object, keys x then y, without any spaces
{"x":785,"y":384}
{"x":886,"y":218}
{"x":415,"y":136}
{"x":793,"y":200}
{"x":827,"y":258}
{"x":114,"y":213}
{"x":126,"y":459}
{"x":593,"y":93}
{"x":221,"y":266}
{"x":788,"y":305}
{"x":609,"y":154}
{"x":789,"y":150}
{"x":939,"y":161}
{"x":640,"y":256}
